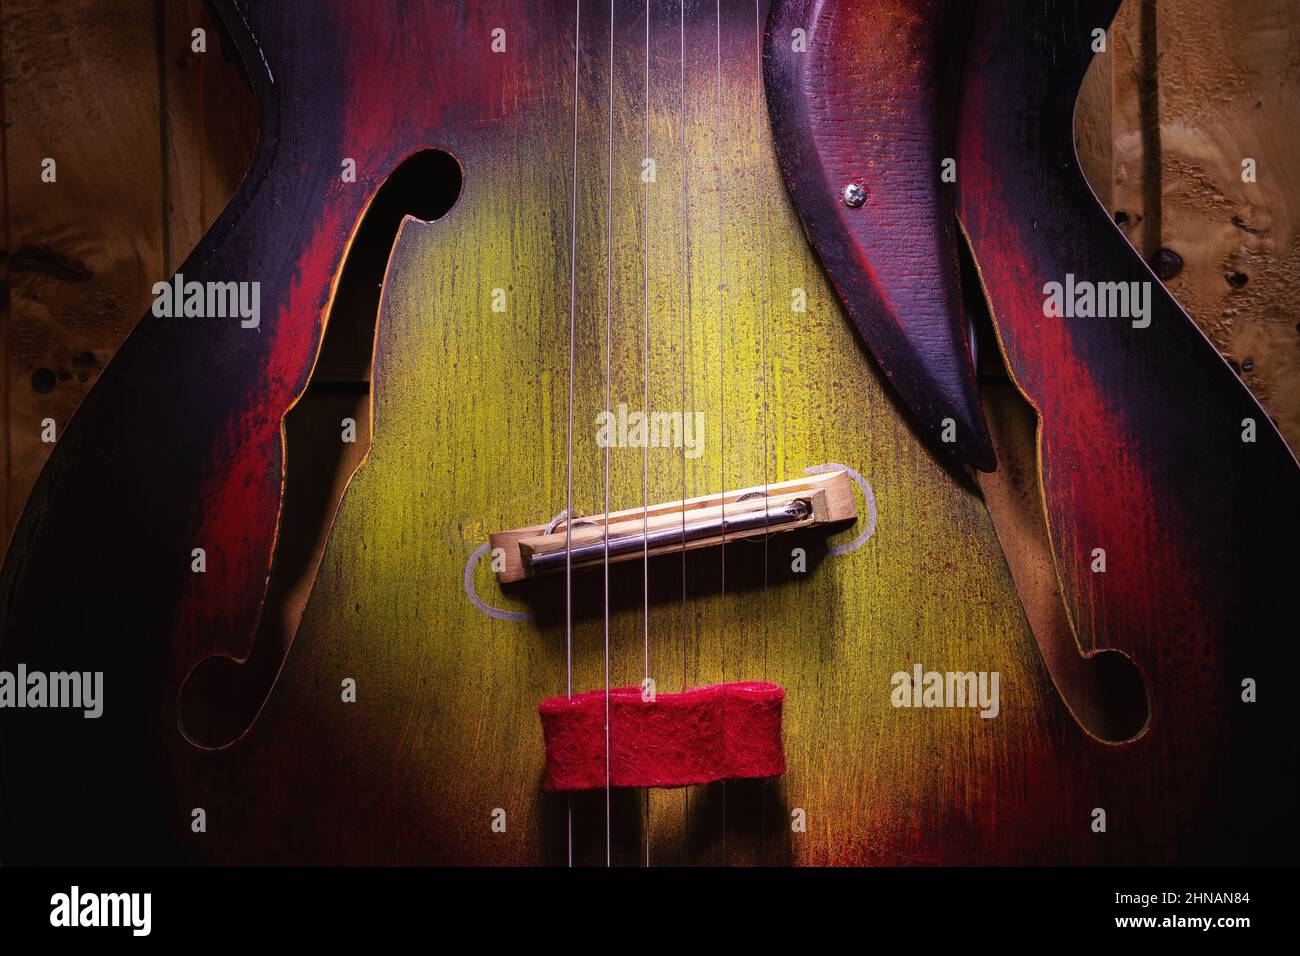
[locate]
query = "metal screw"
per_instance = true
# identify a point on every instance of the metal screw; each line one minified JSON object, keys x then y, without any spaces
{"x":854,"y":195}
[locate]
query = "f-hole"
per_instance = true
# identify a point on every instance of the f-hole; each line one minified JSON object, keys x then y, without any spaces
{"x":1104,"y":692}
{"x":222,"y":696}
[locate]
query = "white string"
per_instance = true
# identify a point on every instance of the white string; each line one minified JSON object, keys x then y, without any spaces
{"x":762,"y":300}
{"x":722,"y":381}
{"x":645,"y":465}
{"x":681,"y":114}
{"x":609,"y":312}
{"x":762,"y":336}
{"x":573,"y":286}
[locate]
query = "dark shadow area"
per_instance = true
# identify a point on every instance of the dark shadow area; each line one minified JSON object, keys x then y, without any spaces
{"x":586,"y":808}
{"x":736,"y":821}
{"x":740,"y":821}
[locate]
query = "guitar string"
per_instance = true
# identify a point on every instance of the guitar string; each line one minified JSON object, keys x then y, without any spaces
{"x":722,"y":387}
{"x":682,"y":250}
{"x":762,"y":337}
{"x":609,"y":312}
{"x":645,"y":462}
{"x":646,"y":359}
{"x":568,"y":506}
{"x":608,"y":366}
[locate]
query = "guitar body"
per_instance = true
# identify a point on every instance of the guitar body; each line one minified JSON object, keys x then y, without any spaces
{"x":396,"y":720}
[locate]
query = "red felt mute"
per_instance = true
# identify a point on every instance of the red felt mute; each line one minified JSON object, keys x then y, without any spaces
{"x":723,"y":732}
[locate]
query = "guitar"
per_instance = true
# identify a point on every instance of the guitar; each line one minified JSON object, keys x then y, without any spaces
{"x":485,"y":238}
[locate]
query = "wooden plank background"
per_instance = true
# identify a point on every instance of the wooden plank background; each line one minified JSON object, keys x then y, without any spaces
{"x":1188,"y":90}
{"x":150,"y":139}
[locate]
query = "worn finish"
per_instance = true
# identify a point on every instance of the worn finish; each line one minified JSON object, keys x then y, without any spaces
{"x":1225,"y":89}
{"x":471,"y":410}
{"x":1141,"y":452}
